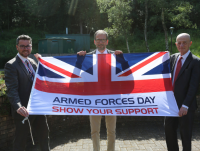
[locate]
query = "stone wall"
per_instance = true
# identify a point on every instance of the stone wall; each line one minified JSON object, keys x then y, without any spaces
{"x":7,"y":130}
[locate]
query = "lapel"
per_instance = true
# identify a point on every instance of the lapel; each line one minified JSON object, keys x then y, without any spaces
{"x":94,"y":52}
{"x":187,"y":61}
{"x":109,"y":51}
{"x":23,"y":68}
{"x":174,"y":63}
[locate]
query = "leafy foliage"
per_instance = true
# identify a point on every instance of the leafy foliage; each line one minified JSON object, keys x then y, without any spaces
{"x":4,"y":103}
{"x":118,"y":15}
{"x":2,"y":84}
{"x":123,"y":19}
{"x":180,"y":15}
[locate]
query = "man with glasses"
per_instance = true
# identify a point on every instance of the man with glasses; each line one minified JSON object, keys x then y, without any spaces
{"x":185,"y":70}
{"x":19,"y":75}
{"x":101,"y":41}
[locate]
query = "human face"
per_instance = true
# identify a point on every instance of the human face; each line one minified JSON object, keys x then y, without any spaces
{"x":24,"y":48}
{"x":101,"y":42}
{"x":183,"y":44}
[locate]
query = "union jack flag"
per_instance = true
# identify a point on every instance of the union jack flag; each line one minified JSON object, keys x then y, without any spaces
{"x":104,"y":74}
{"x":109,"y":84}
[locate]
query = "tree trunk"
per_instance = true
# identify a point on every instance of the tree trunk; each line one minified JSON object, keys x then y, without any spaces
{"x":165,"y":30}
{"x":127,"y":45}
{"x":145,"y":25}
{"x":87,"y":28}
{"x":81,"y":27}
{"x":8,"y":14}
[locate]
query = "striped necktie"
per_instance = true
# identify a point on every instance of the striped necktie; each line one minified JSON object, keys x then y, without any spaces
{"x":29,"y":70}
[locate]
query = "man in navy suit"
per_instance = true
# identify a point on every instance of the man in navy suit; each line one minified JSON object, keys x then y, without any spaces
{"x":185,"y":70}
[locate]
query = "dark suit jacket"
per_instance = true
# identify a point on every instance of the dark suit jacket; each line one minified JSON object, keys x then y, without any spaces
{"x":94,"y":52}
{"x":18,"y":83}
{"x":120,"y":59}
{"x":187,"y":82}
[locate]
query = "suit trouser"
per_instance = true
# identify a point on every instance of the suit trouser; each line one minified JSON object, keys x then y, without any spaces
{"x":39,"y":125}
{"x":171,"y":126}
{"x":95,"y":123}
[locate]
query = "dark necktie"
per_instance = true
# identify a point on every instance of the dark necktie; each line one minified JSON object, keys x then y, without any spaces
{"x":178,"y":68}
{"x":29,"y":70}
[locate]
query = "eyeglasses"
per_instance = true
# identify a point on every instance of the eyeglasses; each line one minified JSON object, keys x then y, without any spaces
{"x":101,"y":40}
{"x":183,"y":43}
{"x":25,"y":47}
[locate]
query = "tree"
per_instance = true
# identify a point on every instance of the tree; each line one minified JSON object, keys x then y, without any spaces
{"x":45,"y":13}
{"x":6,"y":13}
{"x":145,"y":25}
{"x":175,"y":12}
{"x":165,"y":29}
{"x":180,"y":15}
{"x":195,"y":13}
{"x":87,"y":15}
{"x":119,"y":16}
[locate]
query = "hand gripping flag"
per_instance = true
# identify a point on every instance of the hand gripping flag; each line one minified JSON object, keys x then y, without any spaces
{"x":136,"y":84}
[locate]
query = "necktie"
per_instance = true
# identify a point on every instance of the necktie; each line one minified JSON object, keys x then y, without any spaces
{"x":29,"y":70}
{"x":178,"y":68}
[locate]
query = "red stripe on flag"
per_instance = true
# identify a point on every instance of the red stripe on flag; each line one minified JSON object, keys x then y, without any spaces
{"x":104,"y":73}
{"x":143,"y":64}
{"x":104,"y":88}
{"x":69,"y":74}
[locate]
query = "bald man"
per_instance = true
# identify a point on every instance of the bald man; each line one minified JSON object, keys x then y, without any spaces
{"x":185,"y":70}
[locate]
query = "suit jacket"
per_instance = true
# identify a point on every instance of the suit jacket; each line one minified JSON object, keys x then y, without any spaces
{"x":120,"y":58}
{"x":94,"y":51}
{"x":18,"y":82}
{"x":187,"y":82}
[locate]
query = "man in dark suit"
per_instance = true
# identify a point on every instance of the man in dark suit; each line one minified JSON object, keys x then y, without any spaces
{"x":185,"y":70}
{"x":19,"y":75}
{"x":101,"y":41}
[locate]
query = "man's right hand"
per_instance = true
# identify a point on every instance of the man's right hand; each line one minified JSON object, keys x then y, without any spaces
{"x":22,"y":111}
{"x":81,"y":53}
{"x":118,"y":52}
{"x":37,"y":56}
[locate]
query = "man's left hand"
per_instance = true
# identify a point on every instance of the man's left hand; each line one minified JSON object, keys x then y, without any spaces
{"x":118,"y":52}
{"x":183,"y":111}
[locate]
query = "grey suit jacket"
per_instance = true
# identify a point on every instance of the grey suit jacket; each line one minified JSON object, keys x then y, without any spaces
{"x":94,"y":52}
{"x":18,"y":82}
{"x":187,"y":82}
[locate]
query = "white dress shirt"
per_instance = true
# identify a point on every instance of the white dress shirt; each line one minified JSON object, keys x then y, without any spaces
{"x":184,"y":57}
{"x":24,"y":59}
{"x":105,"y":52}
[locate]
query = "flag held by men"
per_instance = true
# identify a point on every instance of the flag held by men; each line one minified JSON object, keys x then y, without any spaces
{"x":136,"y":84}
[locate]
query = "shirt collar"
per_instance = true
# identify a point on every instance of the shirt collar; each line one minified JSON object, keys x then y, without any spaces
{"x":185,"y":55}
{"x":105,"y":52}
{"x":21,"y":57}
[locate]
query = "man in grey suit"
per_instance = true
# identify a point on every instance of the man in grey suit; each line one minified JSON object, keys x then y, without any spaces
{"x":185,"y":70}
{"x":101,"y":41}
{"x":19,"y":75}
